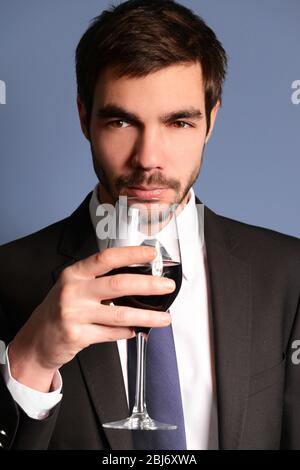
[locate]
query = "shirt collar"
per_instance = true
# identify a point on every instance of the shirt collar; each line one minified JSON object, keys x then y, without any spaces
{"x":189,"y":223}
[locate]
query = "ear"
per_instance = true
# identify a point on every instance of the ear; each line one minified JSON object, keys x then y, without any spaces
{"x":83,"y":118}
{"x":213,"y":115}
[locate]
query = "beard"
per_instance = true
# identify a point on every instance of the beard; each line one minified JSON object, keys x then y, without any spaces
{"x":139,"y":177}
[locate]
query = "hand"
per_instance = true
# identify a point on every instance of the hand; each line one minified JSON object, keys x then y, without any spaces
{"x":74,"y":314}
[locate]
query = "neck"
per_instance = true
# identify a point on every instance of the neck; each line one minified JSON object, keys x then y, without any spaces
{"x":183,"y":203}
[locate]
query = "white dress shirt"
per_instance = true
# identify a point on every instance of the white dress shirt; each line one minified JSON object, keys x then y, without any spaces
{"x":192,"y":331}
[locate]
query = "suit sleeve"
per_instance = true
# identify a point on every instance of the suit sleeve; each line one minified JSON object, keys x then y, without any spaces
{"x":17,"y":430}
{"x":290,"y":438}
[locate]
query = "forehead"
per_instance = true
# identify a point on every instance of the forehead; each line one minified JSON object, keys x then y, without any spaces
{"x":178,"y":85}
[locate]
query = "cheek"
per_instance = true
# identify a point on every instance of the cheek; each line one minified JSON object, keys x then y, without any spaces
{"x":112,"y":151}
{"x":187,"y":151}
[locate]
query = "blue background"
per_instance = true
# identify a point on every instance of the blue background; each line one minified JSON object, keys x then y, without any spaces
{"x":251,"y":168}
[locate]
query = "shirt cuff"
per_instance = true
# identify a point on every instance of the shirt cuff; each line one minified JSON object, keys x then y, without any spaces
{"x":37,"y":405}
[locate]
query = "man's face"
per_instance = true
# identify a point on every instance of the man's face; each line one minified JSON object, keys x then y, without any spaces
{"x":148,"y":134}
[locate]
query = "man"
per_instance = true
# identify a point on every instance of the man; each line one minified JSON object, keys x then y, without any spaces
{"x":150,"y":78}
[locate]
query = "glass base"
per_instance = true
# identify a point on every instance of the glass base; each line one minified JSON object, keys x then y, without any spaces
{"x":140,"y":421}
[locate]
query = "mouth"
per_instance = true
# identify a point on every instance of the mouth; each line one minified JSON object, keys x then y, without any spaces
{"x":145,"y":192}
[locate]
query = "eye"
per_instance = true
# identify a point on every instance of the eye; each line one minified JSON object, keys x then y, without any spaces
{"x":117,"y":123}
{"x":182,"y":124}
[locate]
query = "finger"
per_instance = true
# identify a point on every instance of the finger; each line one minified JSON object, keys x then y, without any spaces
{"x":122,"y":316}
{"x":111,"y":258}
{"x":101,"y":334}
{"x":119,"y":285}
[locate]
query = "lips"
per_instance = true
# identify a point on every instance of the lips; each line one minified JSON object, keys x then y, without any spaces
{"x":145,"y":192}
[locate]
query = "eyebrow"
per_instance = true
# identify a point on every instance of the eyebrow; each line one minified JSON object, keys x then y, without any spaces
{"x":113,"y":111}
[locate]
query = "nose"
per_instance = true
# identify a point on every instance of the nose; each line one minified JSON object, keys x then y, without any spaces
{"x":148,"y":153}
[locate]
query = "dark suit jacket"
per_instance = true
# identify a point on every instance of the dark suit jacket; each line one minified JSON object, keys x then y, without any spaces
{"x":254,"y":276}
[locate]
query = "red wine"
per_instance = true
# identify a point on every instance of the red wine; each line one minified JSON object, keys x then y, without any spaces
{"x":171,"y":270}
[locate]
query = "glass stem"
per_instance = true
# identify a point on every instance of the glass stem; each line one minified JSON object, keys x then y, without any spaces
{"x":140,"y":388}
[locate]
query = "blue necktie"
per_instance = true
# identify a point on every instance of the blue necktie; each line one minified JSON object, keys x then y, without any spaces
{"x":163,"y":394}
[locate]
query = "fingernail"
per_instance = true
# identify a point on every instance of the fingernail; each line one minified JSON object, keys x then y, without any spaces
{"x":169,"y":284}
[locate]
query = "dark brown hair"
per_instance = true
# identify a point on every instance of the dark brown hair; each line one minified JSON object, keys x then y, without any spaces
{"x":138,"y":37}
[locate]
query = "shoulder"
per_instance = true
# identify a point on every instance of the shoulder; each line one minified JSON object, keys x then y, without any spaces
{"x":255,"y":232}
{"x":249,"y":234}
{"x":253,"y":242}
{"x":45,"y":242}
{"x":39,"y":243}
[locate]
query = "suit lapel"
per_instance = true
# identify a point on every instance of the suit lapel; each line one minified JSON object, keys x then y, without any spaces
{"x":99,"y":363}
{"x":101,"y":368}
{"x":229,"y":279}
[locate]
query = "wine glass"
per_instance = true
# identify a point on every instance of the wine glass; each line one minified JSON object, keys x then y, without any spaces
{"x":146,"y":222}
